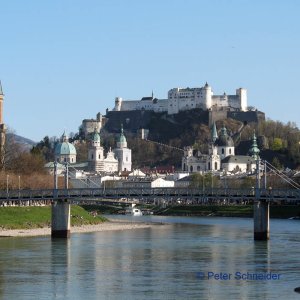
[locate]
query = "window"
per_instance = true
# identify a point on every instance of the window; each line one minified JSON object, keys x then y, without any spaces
{"x":92,"y":156}
{"x":222,"y":150}
{"x":65,"y":159}
{"x":191,"y":168}
{"x":198,"y":168}
{"x":230,"y":151}
{"x":208,"y":165}
{"x":216,"y":165}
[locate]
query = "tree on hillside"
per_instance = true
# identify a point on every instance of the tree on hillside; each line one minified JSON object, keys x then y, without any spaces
{"x":12,"y":150}
{"x":27,"y":163}
{"x":82,"y":151}
{"x":46,"y":148}
{"x":277,"y":144}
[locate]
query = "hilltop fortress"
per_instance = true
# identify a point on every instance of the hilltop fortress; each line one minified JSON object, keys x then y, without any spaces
{"x":180,"y":99}
{"x":199,"y":102}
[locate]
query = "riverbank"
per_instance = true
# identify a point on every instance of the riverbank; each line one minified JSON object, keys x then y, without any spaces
{"x":109,"y":225}
{"x":246,"y":211}
{"x":204,"y":210}
{"x":29,"y":217}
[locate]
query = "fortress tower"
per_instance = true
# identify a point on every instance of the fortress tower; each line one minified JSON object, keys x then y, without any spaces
{"x":2,"y":129}
{"x":207,"y":96}
{"x":118,"y":103}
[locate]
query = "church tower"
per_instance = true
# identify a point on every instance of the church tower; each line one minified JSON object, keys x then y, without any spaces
{"x":2,"y":129}
{"x":225,"y":144}
{"x":123,"y":154}
{"x":95,"y":153}
{"x":254,"y":150}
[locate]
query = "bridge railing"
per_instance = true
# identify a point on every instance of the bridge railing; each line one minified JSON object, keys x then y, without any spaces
{"x":132,"y":193}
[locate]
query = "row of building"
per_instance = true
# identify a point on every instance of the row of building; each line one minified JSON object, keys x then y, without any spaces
{"x":114,"y":161}
{"x":116,"y":164}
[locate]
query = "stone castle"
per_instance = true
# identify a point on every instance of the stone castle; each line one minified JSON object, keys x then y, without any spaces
{"x":136,"y":114}
{"x":180,"y":99}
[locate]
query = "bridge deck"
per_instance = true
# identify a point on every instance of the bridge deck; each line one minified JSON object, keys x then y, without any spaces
{"x":131,"y":195}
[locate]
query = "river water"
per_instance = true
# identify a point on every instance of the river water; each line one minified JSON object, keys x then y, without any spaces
{"x":182,"y":260}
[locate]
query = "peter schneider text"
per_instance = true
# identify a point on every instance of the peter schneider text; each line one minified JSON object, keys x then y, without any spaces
{"x":259,"y":276}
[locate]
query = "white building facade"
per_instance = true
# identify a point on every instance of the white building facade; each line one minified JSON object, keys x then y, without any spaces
{"x":221,"y":156}
{"x":123,"y":154}
{"x":116,"y":160}
{"x":180,"y":99}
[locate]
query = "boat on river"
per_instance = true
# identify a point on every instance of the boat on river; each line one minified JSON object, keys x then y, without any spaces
{"x":134,"y":211}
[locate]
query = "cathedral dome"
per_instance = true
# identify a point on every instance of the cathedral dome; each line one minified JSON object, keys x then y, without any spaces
{"x":65,"y":148}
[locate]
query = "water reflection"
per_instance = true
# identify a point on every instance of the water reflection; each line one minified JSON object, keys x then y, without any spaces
{"x":154,"y":263}
{"x":60,"y":263}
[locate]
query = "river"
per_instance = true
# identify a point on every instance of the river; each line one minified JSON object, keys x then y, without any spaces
{"x":192,"y":258}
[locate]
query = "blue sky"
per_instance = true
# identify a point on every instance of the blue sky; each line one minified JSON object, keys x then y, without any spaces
{"x":62,"y":61}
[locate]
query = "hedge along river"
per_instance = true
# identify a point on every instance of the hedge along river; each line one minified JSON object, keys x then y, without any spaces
{"x":191,"y":258}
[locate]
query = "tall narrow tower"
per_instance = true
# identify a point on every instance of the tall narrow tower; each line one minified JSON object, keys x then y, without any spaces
{"x":96,"y":153}
{"x":2,"y":129}
{"x":122,"y":153}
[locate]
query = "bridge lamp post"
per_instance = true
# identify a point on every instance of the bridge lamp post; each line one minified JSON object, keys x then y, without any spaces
{"x":66,"y":176}
{"x":7,"y":179}
{"x":19,"y":184}
{"x":265,"y":174}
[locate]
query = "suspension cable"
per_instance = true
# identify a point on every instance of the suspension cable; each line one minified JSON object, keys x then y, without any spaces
{"x":283,"y":176}
{"x":83,"y":181}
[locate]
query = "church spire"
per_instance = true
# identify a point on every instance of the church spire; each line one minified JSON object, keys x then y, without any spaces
{"x":214,"y":134}
{"x":122,"y":143}
{"x":254,"y":150}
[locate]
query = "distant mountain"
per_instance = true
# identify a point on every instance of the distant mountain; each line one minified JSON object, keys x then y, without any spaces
{"x":25,"y":143}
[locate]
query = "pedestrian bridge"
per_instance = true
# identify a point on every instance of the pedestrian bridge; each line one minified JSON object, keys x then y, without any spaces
{"x":143,"y":195}
{"x":62,"y":198}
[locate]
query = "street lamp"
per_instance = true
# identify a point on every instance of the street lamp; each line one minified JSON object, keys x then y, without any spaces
{"x":7,"y":178}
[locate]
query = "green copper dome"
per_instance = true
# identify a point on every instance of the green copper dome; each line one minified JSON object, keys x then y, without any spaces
{"x":224,"y":139}
{"x":122,"y":138}
{"x":96,"y":136}
{"x":64,"y":147}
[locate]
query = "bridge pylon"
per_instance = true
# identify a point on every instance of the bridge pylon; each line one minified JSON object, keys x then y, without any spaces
{"x":61,"y":210}
{"x":261,"y":214}
{"x":61,"y":215}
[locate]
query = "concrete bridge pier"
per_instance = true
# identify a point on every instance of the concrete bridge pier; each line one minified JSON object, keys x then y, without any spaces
{"x":261,"y":221}
{"x":61,"y":214}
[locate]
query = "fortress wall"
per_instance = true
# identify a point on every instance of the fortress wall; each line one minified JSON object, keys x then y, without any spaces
{"x":247,"y":116}
{"x":131,"y":120}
